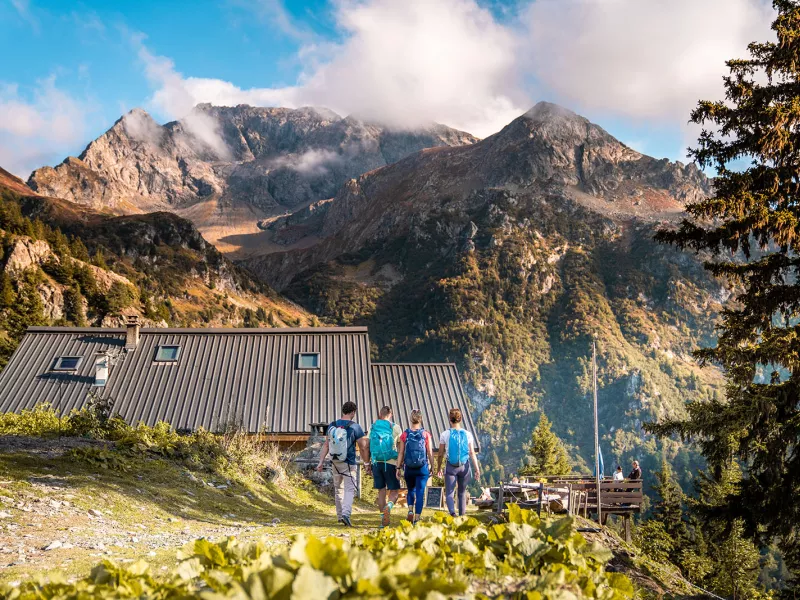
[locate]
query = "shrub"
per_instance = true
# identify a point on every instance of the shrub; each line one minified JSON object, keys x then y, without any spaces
{"x":232,"y":454}
{"x":40,"y":421}
{"x":524,"y":558}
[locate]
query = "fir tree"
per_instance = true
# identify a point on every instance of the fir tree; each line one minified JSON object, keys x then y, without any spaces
{"x":28,"y":311}
{"x":7,"y":293}
{"x":668,"y":508}
{"x":73,"y":306}
{"x":99,"y":259}
{"x":547,"y":453}
{"x":749,"y":230}
{"x":78,"y":249}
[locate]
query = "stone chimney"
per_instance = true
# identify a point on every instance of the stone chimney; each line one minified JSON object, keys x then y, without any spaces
{"x":131,"y":332}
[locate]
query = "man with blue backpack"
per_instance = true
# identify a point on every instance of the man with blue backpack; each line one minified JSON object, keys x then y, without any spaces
{"x":458,"y":445}
{"x":383,"y":438}
{"x":343,"y":435}
{"x":415,"y":458}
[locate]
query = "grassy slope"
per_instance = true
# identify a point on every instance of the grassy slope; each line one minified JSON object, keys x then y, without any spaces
{"x":149,"y":510}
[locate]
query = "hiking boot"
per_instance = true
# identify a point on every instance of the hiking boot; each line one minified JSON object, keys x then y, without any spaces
{"x":386,"y":518}
{"x":341,"y":520}
{"x":410,"y":517}
{"x":346,"y":521}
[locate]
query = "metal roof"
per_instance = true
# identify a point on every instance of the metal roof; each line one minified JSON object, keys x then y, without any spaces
{"x":433,"y":388}
{"x":245,"y":377}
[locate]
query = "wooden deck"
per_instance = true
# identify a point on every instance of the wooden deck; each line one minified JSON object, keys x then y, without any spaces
{"x":573,"y":495}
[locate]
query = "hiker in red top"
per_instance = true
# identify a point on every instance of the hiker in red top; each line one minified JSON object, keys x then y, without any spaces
{"x":415,"y":454}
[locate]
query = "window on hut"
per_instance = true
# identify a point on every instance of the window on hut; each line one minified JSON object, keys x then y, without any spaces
{"x":168,"y":353}
{"x":307,"y":361}
{"x":67,"y":363}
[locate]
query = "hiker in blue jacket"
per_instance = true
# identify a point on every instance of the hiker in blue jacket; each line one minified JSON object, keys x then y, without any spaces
{"x":458,"y":445}
{"x":383,"y":436}
{"x":415,"y":459}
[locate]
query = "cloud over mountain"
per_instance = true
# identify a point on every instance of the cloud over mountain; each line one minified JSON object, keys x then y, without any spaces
{"x":457,"y":62}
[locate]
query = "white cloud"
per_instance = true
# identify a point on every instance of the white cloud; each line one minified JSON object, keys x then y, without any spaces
{"x":406,"y":64}
{"x":451,"y":61}
{"x":311,"y":162}
{"x":35,"y":129}
{"x":642,"y":59}
{"x":141,"y":127}
{"x":419,"y":61}
{"x":175,"y":99}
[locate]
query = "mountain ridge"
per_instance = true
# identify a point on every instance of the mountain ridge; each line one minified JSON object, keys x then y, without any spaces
{"x":547,"y":148}
{"x":508,"y":257}
{"x":225,"y":168}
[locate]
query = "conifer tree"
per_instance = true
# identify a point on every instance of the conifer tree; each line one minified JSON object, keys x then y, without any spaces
{"x":27,"y":311}
{"x":73,"y":306}
{"x":668,"y":508}
{"x":7,"y":293}
{"x":749,"y":233}
{"x":547,"y":453}
{"x":735,"y":559}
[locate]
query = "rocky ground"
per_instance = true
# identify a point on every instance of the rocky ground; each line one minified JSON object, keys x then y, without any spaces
{"x":60,"y":511}
{"x":67,"y":504}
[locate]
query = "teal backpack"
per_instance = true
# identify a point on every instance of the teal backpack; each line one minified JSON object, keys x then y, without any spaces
{"x":381,"y":441}
{"x":458,"y":448}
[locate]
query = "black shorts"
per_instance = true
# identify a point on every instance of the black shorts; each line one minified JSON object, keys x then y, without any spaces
{"x":385,"y":476}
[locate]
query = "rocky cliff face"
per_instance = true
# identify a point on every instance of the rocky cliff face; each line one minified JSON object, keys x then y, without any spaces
{"x":87,"y":267}
{"x":508,"y":256}
{"x":548,"y":154}
{"x":269,"y":158}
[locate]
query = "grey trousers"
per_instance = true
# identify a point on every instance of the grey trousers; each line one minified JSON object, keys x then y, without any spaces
{"x":344,"y":487}
{"x":457,"y":477}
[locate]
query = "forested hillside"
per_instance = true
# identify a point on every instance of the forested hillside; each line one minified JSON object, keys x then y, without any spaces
{"x":508,"y":257}
{"x":64,"y":264}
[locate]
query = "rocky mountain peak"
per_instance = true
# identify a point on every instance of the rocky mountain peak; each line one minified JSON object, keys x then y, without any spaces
{"x":258,"y":160}
{"x":547,"y":111}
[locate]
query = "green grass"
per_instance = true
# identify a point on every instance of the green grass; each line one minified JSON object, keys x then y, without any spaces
{"x":152,"y":494}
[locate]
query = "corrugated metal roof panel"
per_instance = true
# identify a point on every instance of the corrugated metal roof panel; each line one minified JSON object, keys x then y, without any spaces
{"x":246,"y":377}
{"x":433,"y":388}
{"x":239,"y":376}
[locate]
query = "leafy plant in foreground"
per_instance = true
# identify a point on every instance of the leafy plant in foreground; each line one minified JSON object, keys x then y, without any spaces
{"x":526,"y":558}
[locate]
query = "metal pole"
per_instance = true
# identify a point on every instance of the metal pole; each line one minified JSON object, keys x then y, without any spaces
{"x":539,"y":511}
{"x":596,"y":432}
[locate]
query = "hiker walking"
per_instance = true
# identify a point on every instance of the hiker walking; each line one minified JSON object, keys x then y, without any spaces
{"x":414,"y":458}
{"x":343,"y":435}
{"x":458,"y":445}
{"x":383,"y":436}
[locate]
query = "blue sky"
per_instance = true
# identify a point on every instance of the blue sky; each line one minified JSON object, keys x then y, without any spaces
{"x":69,"y":70}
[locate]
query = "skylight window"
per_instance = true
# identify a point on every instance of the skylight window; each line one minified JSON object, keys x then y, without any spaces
{"x":308,"y":361}
{"x":67,"y":363}
{"x":168,"y":353}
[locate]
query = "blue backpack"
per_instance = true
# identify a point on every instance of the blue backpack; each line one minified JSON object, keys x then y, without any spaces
{"x":416,"y":451}
{"x":458,"y":448}
{"x":381,"y":441}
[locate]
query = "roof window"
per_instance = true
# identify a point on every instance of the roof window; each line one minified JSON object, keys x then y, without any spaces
{"x":168,"y":353}
{"x":67,"y":363}
{"x":308,"y":361}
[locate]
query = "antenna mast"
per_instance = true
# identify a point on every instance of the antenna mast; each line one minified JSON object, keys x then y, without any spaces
{"x":596,"y":433}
